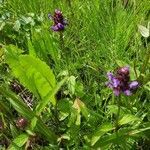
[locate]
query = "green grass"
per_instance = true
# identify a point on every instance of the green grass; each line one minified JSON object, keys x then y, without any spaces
{"x":72,"y":107}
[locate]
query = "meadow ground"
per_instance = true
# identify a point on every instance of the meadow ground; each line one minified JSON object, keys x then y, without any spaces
{"x":75,"y":74}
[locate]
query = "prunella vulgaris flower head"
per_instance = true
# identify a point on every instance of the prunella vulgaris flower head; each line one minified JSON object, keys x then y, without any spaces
{"x":120,"y":82}
{"x":59,"y":21}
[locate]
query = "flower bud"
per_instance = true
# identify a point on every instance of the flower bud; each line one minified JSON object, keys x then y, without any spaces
{"x":21,"y":123}
{"x":123,"y":71}
{"x":59,"y":21}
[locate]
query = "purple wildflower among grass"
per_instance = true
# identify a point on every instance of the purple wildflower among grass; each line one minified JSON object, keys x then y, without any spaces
{"x":120,"y":82}
{"x":59,"y":21}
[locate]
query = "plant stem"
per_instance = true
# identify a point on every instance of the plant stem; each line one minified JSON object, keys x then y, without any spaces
{"x":69,"y":3}
{"x":56,"y":118}
{"x":61,"y":40}
{"x":118,"y":113}
{"x":117,"y":119}
{"x":145,"y":63}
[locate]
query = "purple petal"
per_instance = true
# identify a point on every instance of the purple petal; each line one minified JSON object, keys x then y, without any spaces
{"x":127,"y":92}
{"x":133,"y":85}
{"x":126,"y":69}
{"x":57,"y":11}
{"x":116,"y":92}
{"x":110,"y":76}
{"x":109,"y":85}
{"x":60,"y":26}
{"x":116,"y":82}
{"x":55,"y":28}
{"x":123,"y":70}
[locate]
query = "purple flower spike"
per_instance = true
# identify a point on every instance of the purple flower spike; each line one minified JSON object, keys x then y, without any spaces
{"x":120,"y":82}
{"x":59,"y":21}
{"x":117,"y":92}
{"x":127,"y":92}
{"x":116,"y":82}
{"x":133,"y":85}
{"x":123,"y":71}
{"x":55,"y":28}
{"x":58,"y":12}
{"x":60,"y":26}
{"x":110,"y":76}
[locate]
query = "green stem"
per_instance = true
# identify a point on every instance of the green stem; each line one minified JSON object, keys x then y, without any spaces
{"x":118,"y":113}
{"x":145,"y":63}
{"x":69,"y":3}
{"x":56,"y":117}
{"x":117,"y":119}
{"x":62,"y":45}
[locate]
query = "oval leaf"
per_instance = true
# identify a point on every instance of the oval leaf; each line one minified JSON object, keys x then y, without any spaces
{"x":128,"y":119}
{"x":144,"y":31}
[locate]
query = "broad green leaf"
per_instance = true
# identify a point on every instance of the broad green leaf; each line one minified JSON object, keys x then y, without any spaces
{"x":17,"y":25}
{"x":64,"y":105}
{"x":85,"y":112}
{"x":144,"y":31}
{"x":14,"y":147}
{"x":33,"y":74}
{"x":32,"y":51}
{"x":18,"y":142}
{"x":113,"y":109}
{"x":2,"y":25}
{"x":78,"y":119}
{"x":44,"y":44}
{"x":79,"y":89}
{"x":50,"y":95}
{"x":82,"y":107}
{"x":63,"y":116}
{"x":128,"y":118}
{"x":21,"y":140}
{"x":13,"y":52}
{"x":77,"y":108}
{"x":73,"y":117}
{"x":41,"y":67}
{"x":120,"y":137}
{"x":71,"y":84}
{"x":111,"y":138}
{"x":14,"y":130}
{"x":100,"y":132}
{"x":33,"y":123}
{"x":31,"y":133}
{"x":27,"y":20}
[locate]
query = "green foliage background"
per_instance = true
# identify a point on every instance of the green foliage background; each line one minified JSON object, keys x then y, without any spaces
{"x":72,"y":107}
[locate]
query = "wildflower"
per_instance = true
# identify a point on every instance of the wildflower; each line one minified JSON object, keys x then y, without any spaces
{"x":59,"y":21}
{"x":21,"y":123}
{"x":120,"y":82}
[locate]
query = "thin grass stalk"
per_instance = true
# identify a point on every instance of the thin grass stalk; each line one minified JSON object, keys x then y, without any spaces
{"x":61,"y":38}
{"x":145,"y":63}
{"x":117,"y":118}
